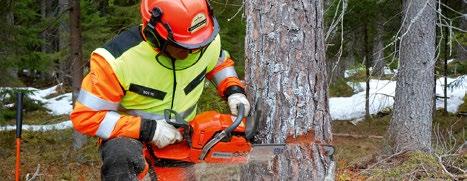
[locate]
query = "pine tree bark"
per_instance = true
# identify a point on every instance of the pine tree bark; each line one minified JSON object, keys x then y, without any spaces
{"x":367,"y":61}
{"x":63,"y":65}
{"x":410,"y":127}
{"x":11,"y":71}
{"x":378,"y":48}
{"x":285,"y":67}
{"x":461,"y":49}
{"x":77,"y":63}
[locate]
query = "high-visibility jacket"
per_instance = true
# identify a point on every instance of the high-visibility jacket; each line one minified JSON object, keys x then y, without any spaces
{"x":130,"y":84}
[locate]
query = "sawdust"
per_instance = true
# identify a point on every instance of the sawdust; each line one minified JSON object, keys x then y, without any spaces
{"x":305,"y":139}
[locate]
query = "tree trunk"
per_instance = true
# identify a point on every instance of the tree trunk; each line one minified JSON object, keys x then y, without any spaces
{"x":10,"y":21}
{"x":367,"y":71}
{"x":445,"y":63}
{"x":63,"y":69}
{"x":336,"y":68}
{"x":285,"y":67}
{"x":77,"y":63}
{"x":410,"y":127}
{"x":461,"y":48}
{"x":378,"y":46}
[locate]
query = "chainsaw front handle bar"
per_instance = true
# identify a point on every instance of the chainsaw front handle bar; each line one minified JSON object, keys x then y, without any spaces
{"x":238,"y":120}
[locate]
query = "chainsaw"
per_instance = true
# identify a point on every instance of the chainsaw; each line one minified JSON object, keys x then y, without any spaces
{"x":212,"y":137}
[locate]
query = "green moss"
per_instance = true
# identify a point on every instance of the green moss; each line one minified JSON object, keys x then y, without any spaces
{"x":414,"y":165}
{"x":463,"y":106}
{"x":339,"y":88}
{"x":457,"y":68}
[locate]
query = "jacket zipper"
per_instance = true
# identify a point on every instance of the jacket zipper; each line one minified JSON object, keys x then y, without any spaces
{"x":174,"y":84}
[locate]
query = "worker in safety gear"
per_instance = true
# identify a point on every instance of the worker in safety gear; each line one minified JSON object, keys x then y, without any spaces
{"x":161,"y":64}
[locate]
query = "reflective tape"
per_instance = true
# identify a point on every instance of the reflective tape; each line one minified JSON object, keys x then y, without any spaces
{"x":107,"y":56}
{"x":223,"y":74}
{"x":92,"y":101}
{"x":146,"y":115}
{"x":107,"y":125}
{"x":152,"y":116}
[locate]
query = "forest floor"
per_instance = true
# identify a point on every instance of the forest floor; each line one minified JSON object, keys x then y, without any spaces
{"x":51,"y":154}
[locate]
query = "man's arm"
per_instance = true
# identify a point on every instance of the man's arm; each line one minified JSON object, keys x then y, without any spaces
{"x":224,"y":77}
{"x":95,"y":111}
{"x":228,"y":84}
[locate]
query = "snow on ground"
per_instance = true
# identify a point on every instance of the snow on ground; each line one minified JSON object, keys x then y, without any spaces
{"x":348,"y":108}
{"x":382,"y":96}
{"x":48,"y":127}
{"x":58,"y":105}
{"x":341,"y":108}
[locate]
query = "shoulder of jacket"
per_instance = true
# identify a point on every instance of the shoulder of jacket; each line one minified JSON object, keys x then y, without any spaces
{"x":123,"y":42}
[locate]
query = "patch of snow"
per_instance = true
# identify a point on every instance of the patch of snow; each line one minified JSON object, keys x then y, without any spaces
{"x":382,"y":96}
{"x":49,"y":127}
{"x":455,"y":93}
{"x":388,"y":71}
{"x":451,"y":60}
{"x":59,"y":105}
{"x":349,"y":108}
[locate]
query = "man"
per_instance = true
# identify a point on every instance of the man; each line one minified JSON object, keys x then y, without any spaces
{"x":159,"y":65}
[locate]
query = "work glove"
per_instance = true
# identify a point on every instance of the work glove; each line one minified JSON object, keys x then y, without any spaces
{"x":234,"y":100}
{"x":165,"y":134}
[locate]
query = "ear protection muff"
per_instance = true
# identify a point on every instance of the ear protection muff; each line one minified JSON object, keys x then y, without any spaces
{"x":150,"y":32}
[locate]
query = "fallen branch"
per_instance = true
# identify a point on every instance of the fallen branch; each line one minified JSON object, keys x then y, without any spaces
{"x":357,"y":136}
{"x":440,"y":160}
{"x":36,"y":173}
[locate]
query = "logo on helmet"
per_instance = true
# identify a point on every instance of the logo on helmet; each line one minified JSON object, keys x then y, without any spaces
{"x":198,"y":22}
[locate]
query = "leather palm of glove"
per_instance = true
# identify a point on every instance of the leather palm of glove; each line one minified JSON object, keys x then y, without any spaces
{"x":234,"y":100}
{"x":165,"y":134}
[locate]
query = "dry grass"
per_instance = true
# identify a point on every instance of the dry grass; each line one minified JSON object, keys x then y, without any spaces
{"x":52,"y":150}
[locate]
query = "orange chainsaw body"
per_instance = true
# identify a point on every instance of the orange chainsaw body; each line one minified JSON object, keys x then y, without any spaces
{"x":204,"y":127}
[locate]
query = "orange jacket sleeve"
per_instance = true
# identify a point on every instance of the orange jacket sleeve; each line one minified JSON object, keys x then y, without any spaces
{"x":95,"y":111}
{"x":224,"y":76}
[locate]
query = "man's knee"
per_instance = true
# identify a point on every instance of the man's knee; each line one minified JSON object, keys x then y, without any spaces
{"x":122,"y":158}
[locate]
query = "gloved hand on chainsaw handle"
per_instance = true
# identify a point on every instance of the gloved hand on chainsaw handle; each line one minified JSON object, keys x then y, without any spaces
{"x":234,"y":100}
{"x":165,"y":134}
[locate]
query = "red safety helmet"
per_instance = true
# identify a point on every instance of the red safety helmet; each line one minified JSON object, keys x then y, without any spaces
{"x":188,"y":24}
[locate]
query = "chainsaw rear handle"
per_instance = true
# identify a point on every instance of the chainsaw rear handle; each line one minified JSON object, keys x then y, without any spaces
{"x":238,"y":120}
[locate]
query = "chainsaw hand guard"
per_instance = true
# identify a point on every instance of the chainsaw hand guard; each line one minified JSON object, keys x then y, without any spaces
{"x":253,"y":121}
